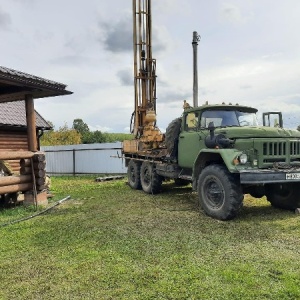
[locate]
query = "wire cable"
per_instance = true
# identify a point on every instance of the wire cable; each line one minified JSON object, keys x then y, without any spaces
{"x":37,"y":214}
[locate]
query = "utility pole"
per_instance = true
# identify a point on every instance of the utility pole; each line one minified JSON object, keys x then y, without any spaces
{"x":196,"y":39}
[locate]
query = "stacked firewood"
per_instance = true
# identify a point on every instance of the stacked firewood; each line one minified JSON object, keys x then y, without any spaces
{"x":38,"y":168}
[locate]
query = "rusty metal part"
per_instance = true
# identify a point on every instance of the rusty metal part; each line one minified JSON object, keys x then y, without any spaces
{"x":144,"y":75}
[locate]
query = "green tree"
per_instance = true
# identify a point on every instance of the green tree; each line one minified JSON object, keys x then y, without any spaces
{"x":63,"y":136}
{"x":117,"y":137}
{"x":83,"y":129}
{"x":98,"y":137}
{"x":80,"y":126}
{"x":94,"y":137}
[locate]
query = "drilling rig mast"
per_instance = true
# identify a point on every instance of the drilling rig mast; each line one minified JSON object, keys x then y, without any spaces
{"x":144,"y":124}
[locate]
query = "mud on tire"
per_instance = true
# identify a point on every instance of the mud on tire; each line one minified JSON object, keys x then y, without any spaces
{"x":219,"y":191}
{"x":150,"y":181}
{"x":133,"y":173}
{"x":171,"y":137}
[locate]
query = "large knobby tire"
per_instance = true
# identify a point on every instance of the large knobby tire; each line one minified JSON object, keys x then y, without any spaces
{"x":171,"y":136}
{"x":257,"y":191}
{"x":284,"y":196}
{"x":220,"y":193}
{"x":133,"y":173}
{"x":151,"y":182}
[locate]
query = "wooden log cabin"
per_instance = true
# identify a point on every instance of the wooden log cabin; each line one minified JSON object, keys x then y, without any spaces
{"x":20,"y":129}
{"x":13,"y":129}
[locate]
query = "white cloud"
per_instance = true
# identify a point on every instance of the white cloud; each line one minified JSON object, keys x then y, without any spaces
{"x":255,"y":62}
{"x":5,"y":20}
{"x":233,"y":13}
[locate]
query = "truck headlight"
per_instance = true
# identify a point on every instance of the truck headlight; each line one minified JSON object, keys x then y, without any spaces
{"x":243,"y":158}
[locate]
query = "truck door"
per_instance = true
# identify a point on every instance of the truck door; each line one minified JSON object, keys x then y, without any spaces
{"x":190,"y":140}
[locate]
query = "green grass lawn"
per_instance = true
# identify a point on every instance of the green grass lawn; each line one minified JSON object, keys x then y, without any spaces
{"x":111,"y":242}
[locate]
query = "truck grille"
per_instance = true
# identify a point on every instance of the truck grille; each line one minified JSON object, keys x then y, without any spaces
{"x":274,"y":148}
{"x":279,"y":151}
{"x":295,"y":148}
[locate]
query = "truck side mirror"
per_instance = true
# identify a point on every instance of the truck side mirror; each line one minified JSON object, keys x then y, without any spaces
{"x":211,"y":128}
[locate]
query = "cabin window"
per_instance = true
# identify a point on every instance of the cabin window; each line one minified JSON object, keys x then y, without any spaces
{"x":219,"y":118}
{"x":191,"y":121}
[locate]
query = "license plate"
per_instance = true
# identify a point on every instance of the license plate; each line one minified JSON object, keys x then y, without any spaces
{"x":292,"y":176}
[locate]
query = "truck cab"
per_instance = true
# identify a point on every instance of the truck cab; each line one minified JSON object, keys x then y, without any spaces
{"x":197,"y":125}
{"x":225,"y":153}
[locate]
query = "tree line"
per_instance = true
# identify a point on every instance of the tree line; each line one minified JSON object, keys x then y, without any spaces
{"x":79,"y":133}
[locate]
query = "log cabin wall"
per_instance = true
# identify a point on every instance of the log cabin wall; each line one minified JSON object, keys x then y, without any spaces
{"x":15,"y":114}
{"x":13,"y":140}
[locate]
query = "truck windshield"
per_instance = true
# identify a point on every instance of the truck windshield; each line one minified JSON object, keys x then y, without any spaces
{"x":223,"y":118}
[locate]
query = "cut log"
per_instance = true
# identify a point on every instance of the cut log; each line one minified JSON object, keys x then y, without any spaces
{"x":39,"y":165}
{"x":37,"y":173}
{"x":5,"y":155}
{"x":39,"y":156}
{"x":10,"y":180}
{"x":40,"y":181}
{"x":36,"y":164}
{"x":24,"y":162}
{"x":21,"y":187}
{"x":25,"y":170}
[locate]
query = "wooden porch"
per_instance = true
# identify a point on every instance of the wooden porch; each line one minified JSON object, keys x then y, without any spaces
{"x":30,"y":181}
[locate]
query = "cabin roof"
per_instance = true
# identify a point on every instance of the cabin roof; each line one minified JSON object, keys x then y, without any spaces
{"x":13,"y":114}
{"x":15,"y":85}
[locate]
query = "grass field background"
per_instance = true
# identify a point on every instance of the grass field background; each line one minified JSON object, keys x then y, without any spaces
{"x":111,"y":242}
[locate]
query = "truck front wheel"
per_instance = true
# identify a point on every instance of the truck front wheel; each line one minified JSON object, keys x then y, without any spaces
{"x":284,"y":196}
{"x":151,"y":182}
{"x":133,"y":173}
{"x":220,"y":194}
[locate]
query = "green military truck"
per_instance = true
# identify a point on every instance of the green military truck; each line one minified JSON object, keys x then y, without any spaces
{"x":219,"y":149}
{"x":223,"y":152}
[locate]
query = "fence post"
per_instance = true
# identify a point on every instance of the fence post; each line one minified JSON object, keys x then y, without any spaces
{"x":74,"y":162}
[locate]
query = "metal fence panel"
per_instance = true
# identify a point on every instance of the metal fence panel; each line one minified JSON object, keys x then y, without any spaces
{"x":84,"y":159}
{"x":59,"y":162}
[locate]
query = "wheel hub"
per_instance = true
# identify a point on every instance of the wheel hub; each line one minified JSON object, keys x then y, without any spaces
{"x":214,"y":193}
{"x":147,"y":176}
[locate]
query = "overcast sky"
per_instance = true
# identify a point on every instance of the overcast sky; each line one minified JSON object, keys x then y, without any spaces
{"x":249,"y":54}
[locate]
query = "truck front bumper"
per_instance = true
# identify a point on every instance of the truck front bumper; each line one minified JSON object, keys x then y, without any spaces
{"x":269,"y":176}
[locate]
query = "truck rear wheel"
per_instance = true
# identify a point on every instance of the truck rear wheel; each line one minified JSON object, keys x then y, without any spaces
{"x":220,"y":194}
{"x":133,"y":173}
{"x":151,"y":182}
{"x":284,"y":196}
